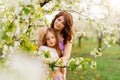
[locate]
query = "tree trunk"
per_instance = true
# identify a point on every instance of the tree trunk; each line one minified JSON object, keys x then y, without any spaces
{"x":100,"y":40}
{"x":79,"y":41}
{"x":118,"y":42}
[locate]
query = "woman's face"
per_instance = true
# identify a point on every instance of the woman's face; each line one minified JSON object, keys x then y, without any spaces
{"x":50,"y":39}
{"x":59,"y":23}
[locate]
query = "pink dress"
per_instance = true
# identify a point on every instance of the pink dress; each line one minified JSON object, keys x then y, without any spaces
{"x":61,"y":46}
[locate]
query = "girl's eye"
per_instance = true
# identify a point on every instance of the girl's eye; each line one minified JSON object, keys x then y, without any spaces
{"x":47,"y":38}
{"x":53,"y":37}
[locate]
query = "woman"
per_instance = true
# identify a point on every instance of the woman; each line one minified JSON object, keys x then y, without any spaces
{"x":62,"y":24}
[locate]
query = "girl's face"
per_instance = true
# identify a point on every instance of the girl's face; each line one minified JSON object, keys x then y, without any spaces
{"x":50,"y":39}
{"x":59,"y":23}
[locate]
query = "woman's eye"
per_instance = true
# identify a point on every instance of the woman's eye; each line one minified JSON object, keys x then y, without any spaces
{"x":59,"y":20}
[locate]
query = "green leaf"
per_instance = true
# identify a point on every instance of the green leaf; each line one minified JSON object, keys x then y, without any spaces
{"x":26,"y":10}
{"x":11,"y":27}
{"x":47,"y":54}
{"x":30,"y":6}
{"x":52,"y":65}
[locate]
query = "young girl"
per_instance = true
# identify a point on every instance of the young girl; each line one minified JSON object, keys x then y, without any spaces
{"x":50,"y":43}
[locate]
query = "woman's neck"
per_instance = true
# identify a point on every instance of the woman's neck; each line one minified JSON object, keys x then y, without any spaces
{"x":58,"y":32}
{"x":59,"y":36}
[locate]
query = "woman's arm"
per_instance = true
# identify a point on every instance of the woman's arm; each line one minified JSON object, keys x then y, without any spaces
{"x":41,"y":33}
{"x":67,"y":51}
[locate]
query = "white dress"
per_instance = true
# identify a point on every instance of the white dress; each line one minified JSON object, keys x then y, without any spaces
{"x":53,"y":52}
{"x":54,"y":56}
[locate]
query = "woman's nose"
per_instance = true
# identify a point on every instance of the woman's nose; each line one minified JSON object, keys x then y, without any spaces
{"x":59,"y":22}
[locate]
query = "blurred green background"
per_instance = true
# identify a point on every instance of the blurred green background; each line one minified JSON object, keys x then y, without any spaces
{"x":108,"y":65}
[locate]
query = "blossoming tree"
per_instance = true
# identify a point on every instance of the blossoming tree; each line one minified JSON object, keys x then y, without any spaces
{"x":20,"y":21}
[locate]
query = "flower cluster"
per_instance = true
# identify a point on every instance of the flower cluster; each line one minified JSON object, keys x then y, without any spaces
{"x":96,"y":52}
{"x":73,"y":64}
{"x":9,"y":49}
{"x":109,"y":40}
{"x":56,"y":63}
{"x":80,"y":63}
{"x":52,"y":64}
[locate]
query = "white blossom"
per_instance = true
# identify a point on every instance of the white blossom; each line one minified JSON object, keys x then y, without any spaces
{"x":16,"y":44}
{"x":96,"y":53}
{"x":11,"y":49}
{"x":93,"y":64}
{"x":5,"y":47}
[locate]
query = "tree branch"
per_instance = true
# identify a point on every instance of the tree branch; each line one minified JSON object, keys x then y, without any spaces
{"x":43,"y":3}
{"x":118,"y":42}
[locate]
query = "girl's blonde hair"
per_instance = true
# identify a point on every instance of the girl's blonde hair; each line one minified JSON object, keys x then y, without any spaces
{"x":56,"y":46}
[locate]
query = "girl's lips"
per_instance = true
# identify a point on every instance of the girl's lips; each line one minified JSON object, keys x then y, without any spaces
{"x":51,"y":43}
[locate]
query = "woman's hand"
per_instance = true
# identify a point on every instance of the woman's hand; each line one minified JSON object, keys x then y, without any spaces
{"x":64,"y":61}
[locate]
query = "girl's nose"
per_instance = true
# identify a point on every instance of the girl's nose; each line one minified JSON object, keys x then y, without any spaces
{"x":51,"y":40}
